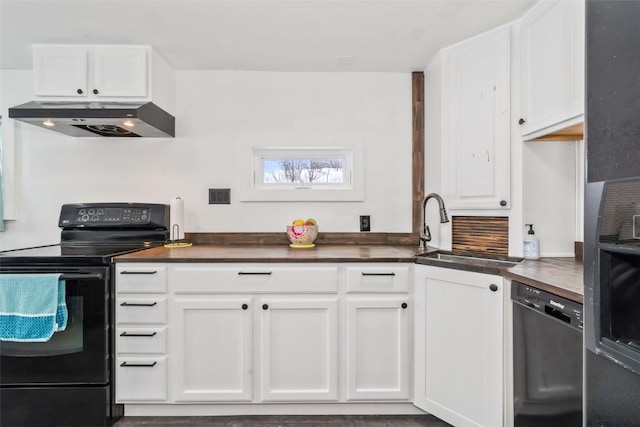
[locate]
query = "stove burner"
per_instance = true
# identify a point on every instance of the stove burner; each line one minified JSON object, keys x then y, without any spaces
{"x":108,"y":130}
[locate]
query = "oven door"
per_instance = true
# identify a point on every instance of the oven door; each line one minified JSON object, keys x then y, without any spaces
{"x":617,"y":305}
{"x":77,"y":355}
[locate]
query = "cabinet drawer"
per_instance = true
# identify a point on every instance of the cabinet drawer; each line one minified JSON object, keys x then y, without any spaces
{"x":141,"y":309}
{"x":141,"y":379}
{"x":260,"y":278}
{"x":141,"y":340}
{"x":378,"y":278}
{"x":140,"y":278}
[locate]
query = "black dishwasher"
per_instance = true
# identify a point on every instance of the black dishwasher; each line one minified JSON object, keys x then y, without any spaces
{"x":547,"y":359}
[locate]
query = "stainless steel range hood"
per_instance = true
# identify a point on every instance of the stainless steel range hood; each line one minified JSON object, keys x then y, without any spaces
{"x":96,"y":119}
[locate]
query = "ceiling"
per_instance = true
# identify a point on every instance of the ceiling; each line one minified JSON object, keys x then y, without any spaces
{"x":278,"y":35}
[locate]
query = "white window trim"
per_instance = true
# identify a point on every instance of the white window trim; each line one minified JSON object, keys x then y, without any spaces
{"x":254,"y":191}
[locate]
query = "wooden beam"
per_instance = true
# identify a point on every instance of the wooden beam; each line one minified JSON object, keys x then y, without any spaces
{"x":417,"y":83}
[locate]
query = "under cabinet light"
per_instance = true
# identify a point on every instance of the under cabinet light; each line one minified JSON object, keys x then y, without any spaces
{"x":48,"y":122}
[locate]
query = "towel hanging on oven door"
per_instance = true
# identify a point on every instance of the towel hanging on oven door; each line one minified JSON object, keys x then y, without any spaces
{"x":32,"y":307}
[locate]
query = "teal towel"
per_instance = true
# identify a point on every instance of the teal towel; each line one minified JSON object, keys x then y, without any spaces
{"x":32,"y":307}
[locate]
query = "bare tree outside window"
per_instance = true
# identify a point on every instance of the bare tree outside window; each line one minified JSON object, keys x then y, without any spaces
{"x":304,"y":171}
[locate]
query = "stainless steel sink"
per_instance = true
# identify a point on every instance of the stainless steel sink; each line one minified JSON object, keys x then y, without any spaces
{"x":465,"y":259}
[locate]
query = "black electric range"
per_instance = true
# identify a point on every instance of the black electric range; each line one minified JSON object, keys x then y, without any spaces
{"x":68,"y":380}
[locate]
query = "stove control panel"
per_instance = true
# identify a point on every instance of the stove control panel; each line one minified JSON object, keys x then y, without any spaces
{"x":114,"y":215}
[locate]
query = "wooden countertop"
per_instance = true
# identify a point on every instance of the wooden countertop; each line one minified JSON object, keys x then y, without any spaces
{"x":274,"y":253}
{"x":561,"y":276}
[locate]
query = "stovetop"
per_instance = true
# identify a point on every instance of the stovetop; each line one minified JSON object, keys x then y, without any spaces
{"x":68,"y":254}
{"x":93,"y":233}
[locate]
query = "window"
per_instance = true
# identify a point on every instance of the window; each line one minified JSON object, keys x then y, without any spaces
{"x":313,"y":168}
{"x":291,"y":174}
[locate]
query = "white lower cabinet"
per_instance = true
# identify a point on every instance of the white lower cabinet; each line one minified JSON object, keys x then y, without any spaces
{"x":215,"y":333}
{"x":378,"y":348}
{"x":459,"y":345}
{"x":212,"y":349}
{"x":141,"y":334}
{"x":299,"y":349}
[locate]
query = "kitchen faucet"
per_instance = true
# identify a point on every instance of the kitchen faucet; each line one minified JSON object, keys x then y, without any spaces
{"x":425,"y":234}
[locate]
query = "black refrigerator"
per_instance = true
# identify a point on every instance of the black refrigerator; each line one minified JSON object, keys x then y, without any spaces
{"x":612,"y":214}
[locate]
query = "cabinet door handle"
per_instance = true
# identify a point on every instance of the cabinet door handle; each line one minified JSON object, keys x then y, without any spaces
{"x":245,"y":306}
{"x":127,"y":334}
{"x":137,"y":304}
{"x":138,"y":365}
{"x":138,"y":272}
{"x":95,"y":91}
{"x":378,"y":274}
{"x":405,"y":305}
{"x":265,"y":307}
{"x":521,"y":121}
{"x":79,"y":91}
{"x":254,"y":273}
{"x":493,"y":287}
{"x":503,"y":203}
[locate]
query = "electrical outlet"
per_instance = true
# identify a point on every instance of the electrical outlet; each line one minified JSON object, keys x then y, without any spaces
{"x":219,"y":196}
{"x":365,"y":223}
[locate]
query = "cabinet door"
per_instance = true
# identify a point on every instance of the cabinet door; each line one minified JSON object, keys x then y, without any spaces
{"x":119,"y":72}
{"x":477,"y":108}
{"x":60,"y":71}
{"x":459,"y":351}
{"x":299,"y":349}
{"x":212,"y":343}
{"x":378,"y":348}
{"x":552,"y":64}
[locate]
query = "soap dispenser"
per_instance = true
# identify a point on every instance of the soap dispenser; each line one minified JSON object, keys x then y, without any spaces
{"x":531,"y":244}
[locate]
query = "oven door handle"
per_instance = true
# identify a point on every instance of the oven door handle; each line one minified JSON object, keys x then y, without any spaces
{"x":80,"y":276}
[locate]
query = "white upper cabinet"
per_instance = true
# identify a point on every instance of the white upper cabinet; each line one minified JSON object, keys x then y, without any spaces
{"x":475,"y":122}
{"x":552,"y":46}
{"x":120,"y":72}
{"x":127,"y":73}
{"x":60,"y":71}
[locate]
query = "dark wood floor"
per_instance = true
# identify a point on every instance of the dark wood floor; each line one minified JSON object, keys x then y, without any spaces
{"x":286,"y":421}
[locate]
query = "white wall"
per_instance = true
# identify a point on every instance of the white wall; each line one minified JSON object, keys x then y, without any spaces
{"x":550,"y":195}
{"x":219,"y":114}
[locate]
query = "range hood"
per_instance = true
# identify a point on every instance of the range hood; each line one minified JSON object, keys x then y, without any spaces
{"x":96,"y":119}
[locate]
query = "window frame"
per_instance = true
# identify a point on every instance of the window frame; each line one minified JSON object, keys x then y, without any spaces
{"x":351,"y":189}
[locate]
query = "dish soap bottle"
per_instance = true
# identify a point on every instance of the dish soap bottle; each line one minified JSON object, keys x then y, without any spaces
{"x":531,"y":244}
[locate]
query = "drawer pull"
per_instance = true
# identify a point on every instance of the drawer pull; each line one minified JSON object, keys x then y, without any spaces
{"x":254,"y":273}
{"x":138,"y":365}
{"x":137,"y":304}
{"x":378,"y":274}
{"x":405,"y":305}
{"x":138,"y":272}
{"x":127,"y":334}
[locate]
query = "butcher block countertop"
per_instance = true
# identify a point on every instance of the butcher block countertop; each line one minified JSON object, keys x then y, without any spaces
{"x":561,"y":276}
{"x":274,"y":253}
